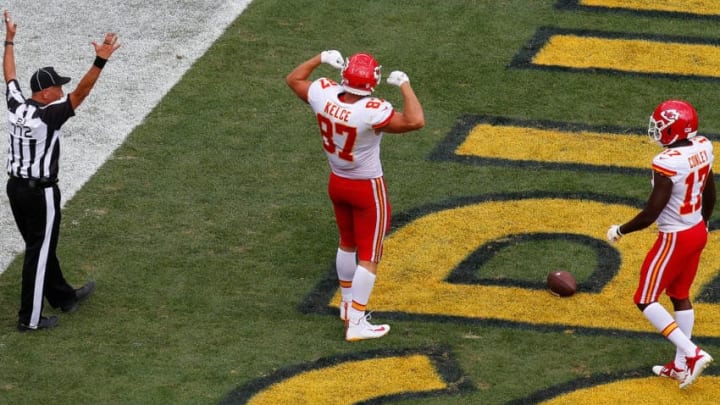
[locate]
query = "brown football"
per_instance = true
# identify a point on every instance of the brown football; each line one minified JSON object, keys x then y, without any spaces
{"x":562,"y":283}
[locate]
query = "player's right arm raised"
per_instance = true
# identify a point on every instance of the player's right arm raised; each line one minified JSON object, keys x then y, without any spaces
{"x":298,"y":81}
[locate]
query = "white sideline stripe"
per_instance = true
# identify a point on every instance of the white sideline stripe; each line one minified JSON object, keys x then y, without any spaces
{"x":161,"y":39}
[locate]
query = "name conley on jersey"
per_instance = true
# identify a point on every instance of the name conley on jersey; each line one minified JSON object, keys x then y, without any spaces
{"x":698,"y":159}
{"x":336,"y":111}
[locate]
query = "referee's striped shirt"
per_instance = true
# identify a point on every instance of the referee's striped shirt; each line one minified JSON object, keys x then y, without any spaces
{"x":34,"y":134}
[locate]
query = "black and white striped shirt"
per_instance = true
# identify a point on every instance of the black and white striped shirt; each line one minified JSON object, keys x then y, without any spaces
{"x":34,"y":134}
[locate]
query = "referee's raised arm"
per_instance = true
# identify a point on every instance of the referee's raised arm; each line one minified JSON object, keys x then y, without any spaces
{"x":102,"y":54}
{"x":9,"y":55}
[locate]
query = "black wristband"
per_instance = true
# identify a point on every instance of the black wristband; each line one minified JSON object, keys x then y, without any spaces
{"x":99,"y":62}
{"x":9,"y":43}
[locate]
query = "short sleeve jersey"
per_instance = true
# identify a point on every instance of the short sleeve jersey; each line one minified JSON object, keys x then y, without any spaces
{"x":350,"y":131}
{"x":34,"y":134}
{"x":688,"y":167}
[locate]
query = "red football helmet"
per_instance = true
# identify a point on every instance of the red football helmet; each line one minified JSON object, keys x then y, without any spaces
{"x":361,"y":74}
{"x":672,"y":121}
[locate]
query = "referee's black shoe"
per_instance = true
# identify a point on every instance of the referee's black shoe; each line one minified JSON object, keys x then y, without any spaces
{"x":81,"y":294}
{"x":45,"y":323}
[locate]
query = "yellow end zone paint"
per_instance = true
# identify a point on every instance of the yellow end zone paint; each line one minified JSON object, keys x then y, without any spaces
{"x":705,"y":391}
{"x":630,"y":55}
{"x":355,"y":381}
{"x":420,"y":255}
{"x":555,"y":146}
{"x":702,"y":7}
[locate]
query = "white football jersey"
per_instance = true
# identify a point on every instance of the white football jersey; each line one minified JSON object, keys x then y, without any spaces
{"x":349,"y":130}
{"x":688,"y":168}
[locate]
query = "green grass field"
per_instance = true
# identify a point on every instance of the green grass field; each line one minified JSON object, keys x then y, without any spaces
{"x":212,"y":240}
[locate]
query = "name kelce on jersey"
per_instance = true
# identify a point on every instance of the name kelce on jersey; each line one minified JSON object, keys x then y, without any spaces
{"x":336,"y":111}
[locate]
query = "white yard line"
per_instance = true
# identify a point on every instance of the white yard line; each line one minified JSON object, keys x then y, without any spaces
{"x":161,"y":39}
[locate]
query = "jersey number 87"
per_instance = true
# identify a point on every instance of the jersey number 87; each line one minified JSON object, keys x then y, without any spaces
{"x":328,"y":131}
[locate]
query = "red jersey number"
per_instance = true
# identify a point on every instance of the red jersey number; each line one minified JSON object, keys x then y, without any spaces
{"x":325,"y":83}
{"x":328,"y":130}
{"x":688,"y":206}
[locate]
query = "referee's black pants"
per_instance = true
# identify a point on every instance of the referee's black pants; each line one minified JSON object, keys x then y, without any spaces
{"x":36,"y":208}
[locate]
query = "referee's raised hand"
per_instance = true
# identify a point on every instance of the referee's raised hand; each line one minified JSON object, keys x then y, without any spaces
{"x":9,"y":52}
{"x":103,"y":51}
{"x":108,"y":46}
{"x":10,"y":27}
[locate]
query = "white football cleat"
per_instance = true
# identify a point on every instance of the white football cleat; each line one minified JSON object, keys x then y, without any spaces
{"x":695,"y":366}
{"x":670,"y":371}
{"x":362,"y":329}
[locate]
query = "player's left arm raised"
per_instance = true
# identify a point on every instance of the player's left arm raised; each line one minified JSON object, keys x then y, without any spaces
{"x":412,"y":117}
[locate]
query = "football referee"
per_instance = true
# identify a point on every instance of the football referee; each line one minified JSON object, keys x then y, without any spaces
{"x":32,"y":188}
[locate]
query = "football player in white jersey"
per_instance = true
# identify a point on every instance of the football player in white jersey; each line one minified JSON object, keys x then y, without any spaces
{"x":681,"y":202}
{"x":352,"y":123}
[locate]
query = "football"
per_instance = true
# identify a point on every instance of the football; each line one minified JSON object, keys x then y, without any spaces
{"x":561,"y":283}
